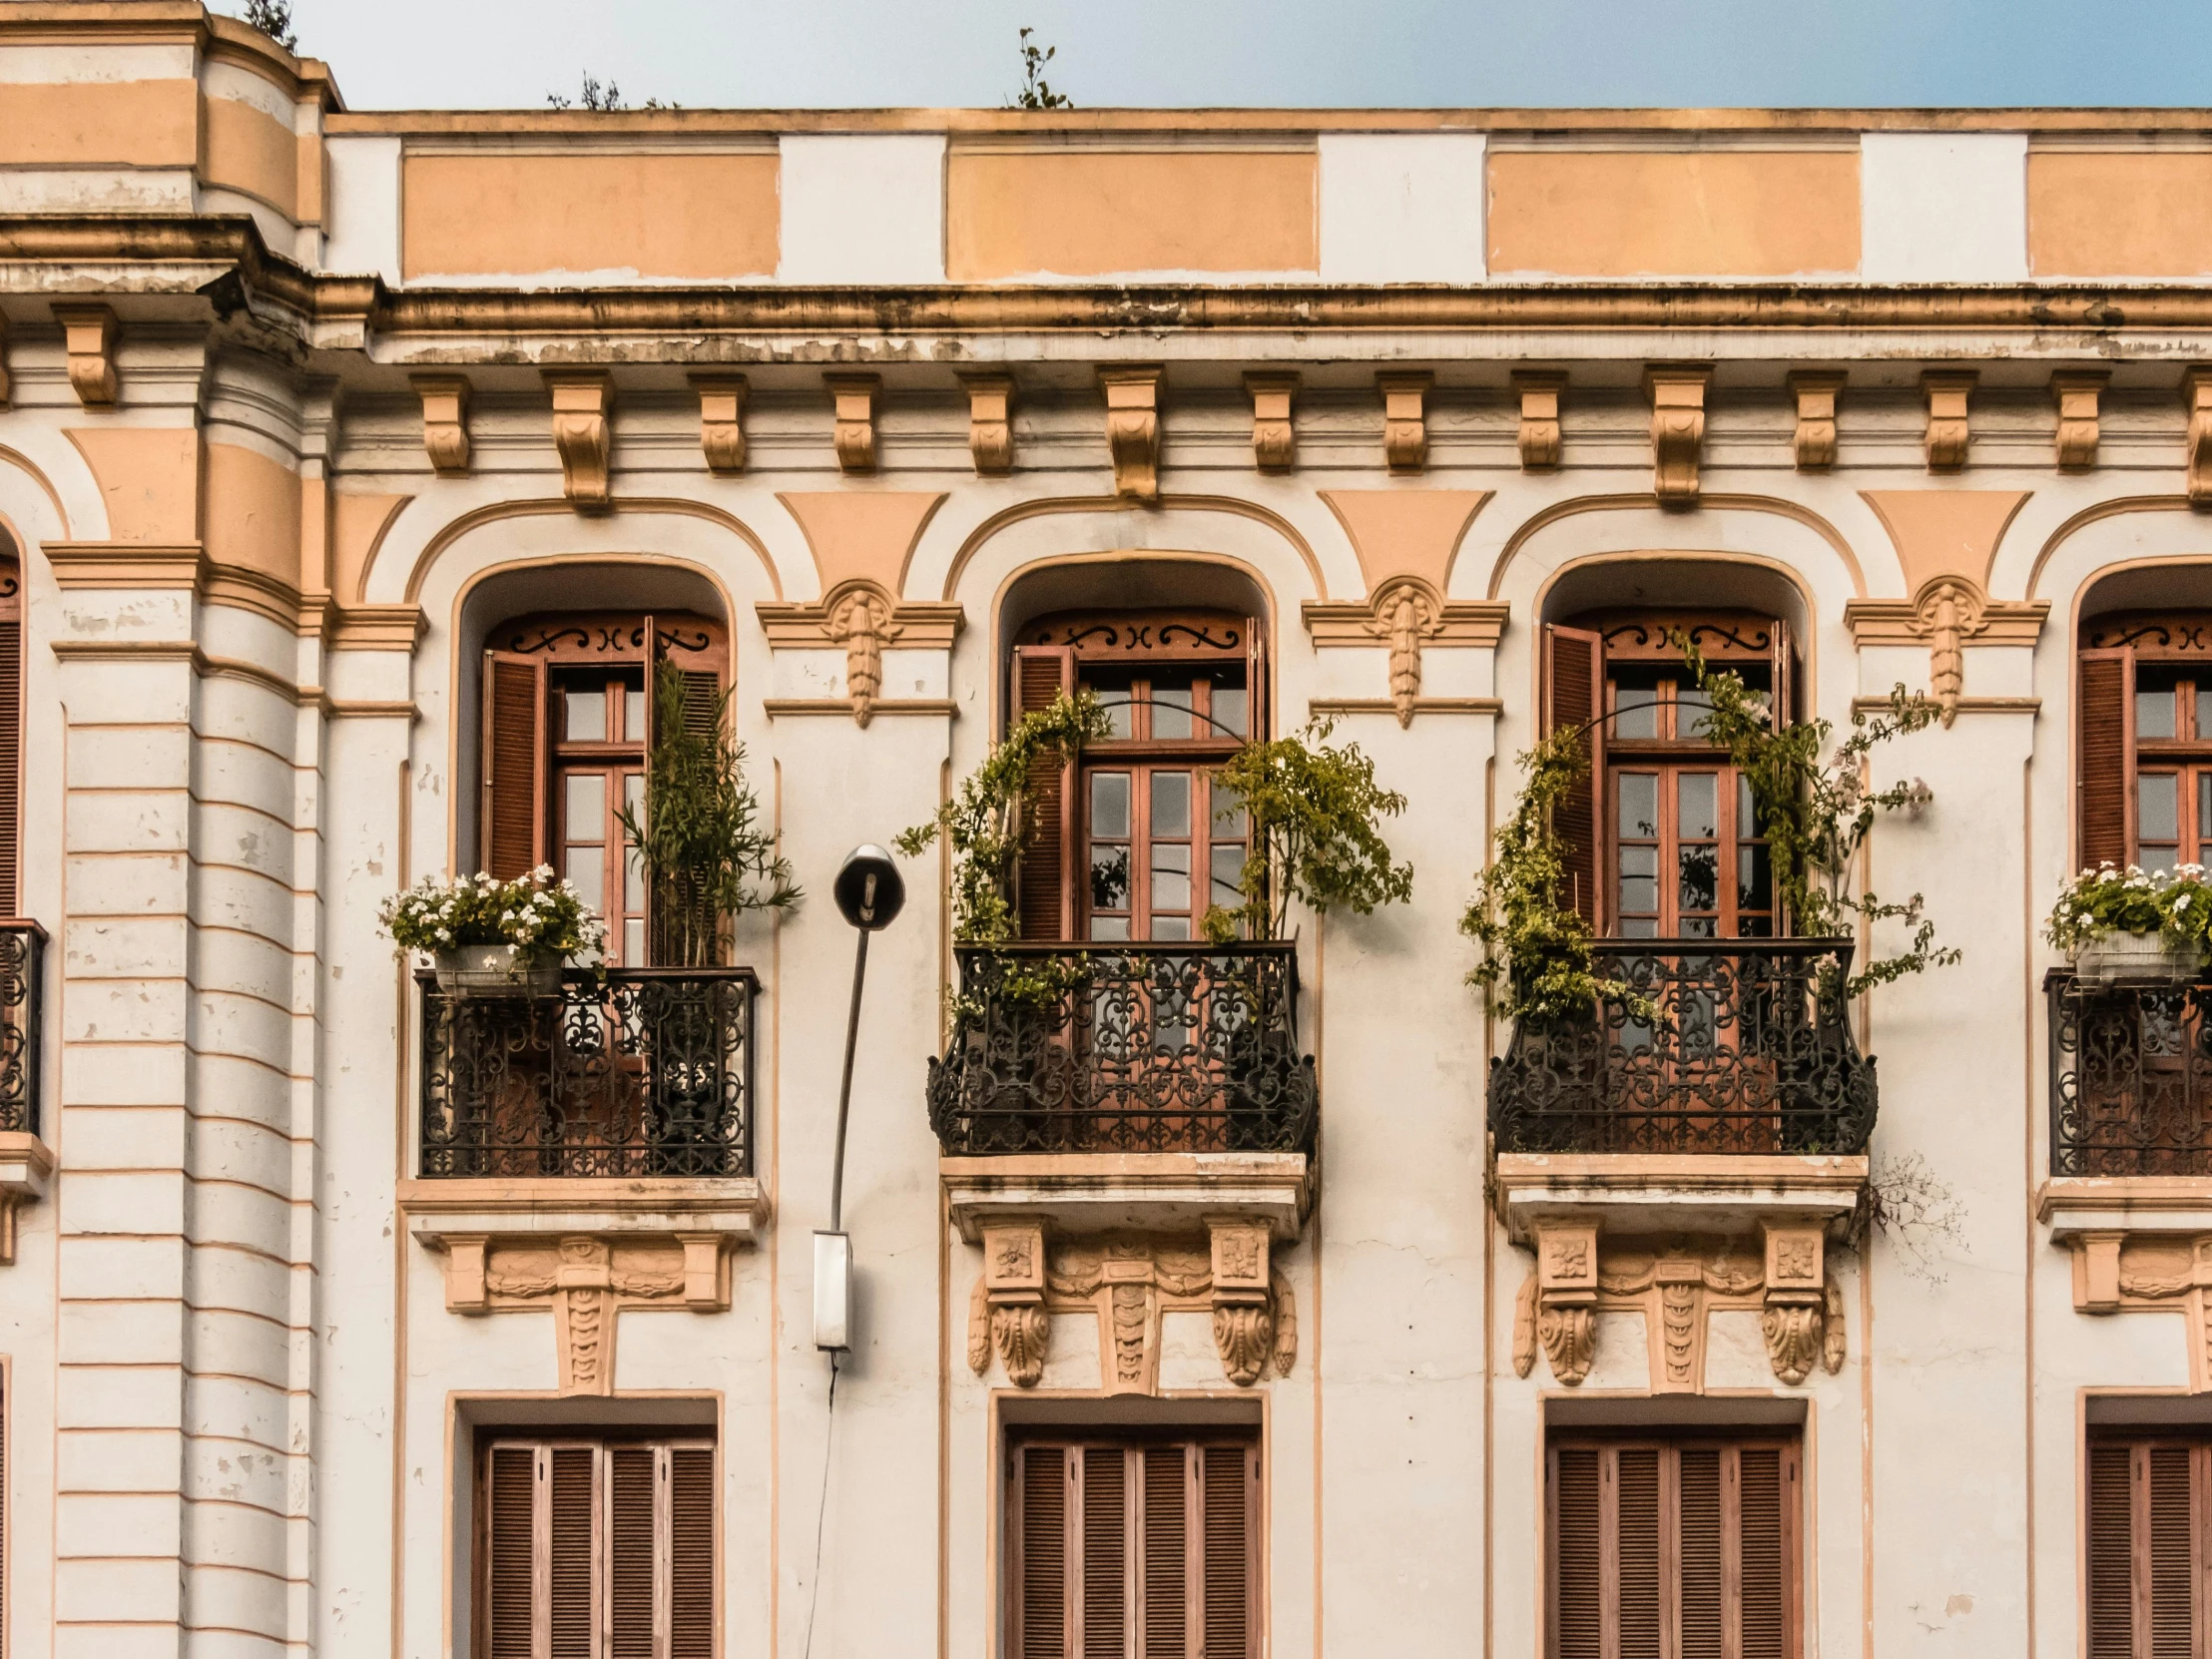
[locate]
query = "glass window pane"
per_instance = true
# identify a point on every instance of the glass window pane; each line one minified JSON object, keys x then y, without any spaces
{"x":1232,"y":713}
{"x":1171,"y":927}
{"x":1228,"y":862}
{"x":1171,"y":709}
{"x":2158,"y":808}
{"x":1698,"y":877}
{"x":1691,"y":706}
{"x":586,"y":718}
{"x":1636,"y":710}
{"x":633,"y":714}
{"x":1171,"y":875}
{"x":1171,"y":804}
{"x":1639,"y":879}
{"x":1755,"y":928}
{"x":632,"y":941}
{"x":584,"y":807}
{"x":1228,"y":814}
{"x":1697,"y":927}
{"x":1639,"y":805}
{"x":2204,"y":714}
{"x":1109,"y":877}
{"x":2154,"y":713}
{"x":1747,"y":813}
{"x":1109,"y":927}
{"x":2204,"y":814}
{"x":2155,"y":858}
{"x":1110,"y":805}
{"x":1638,"y":927}
{"x":1754,"y":878}
{"x":1696,"y":799}
{"x":586,"y":869}
{"x":633,"y":869}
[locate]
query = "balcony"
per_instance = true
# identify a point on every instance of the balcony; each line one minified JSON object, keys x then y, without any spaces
{"x":26,"y":1166}
{"x":2130,"y":1078}
{"x":630,"y":1074}
{"x":1126,"y":1085}
{"x":1745,"y":1101}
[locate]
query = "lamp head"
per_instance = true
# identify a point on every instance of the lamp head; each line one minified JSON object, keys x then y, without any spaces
{"x":869,"y":890}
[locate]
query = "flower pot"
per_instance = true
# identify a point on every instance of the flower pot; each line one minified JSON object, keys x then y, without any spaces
{"x":2138,"y":959}
{"x":496,"y":970}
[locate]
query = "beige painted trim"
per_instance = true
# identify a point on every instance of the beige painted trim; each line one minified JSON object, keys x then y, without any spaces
{"x":778,"y":708}
{"x":1422,"y":706}
{"x":1152,"y":1191}
{"x":378,"y":627}
{"x":1710,"y":503}
{"x":923,"y":624}
{"x":1896,"y":622}
{"x":183,"y":566}
{"x":1463,"y":622}
{"x":1120,"y":504}
{"x":23,"y":463}
{"x":2088,"y":516}
{"x":478,"y":517}
{"x":1966,"y":705}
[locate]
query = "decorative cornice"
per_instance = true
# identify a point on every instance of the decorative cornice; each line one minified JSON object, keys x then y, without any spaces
{"x":1405,"y":418}
{"x":1815,"y":391}
{"x":378,"y":627}
{"x":88,"y":336}
{"x":1458,"y":622}
{"x":1899,"y":621}
{"x":1133,"y":428}
{"x":779,"y":708}
{"x":721,"y":422}
{"x":183,"y":566}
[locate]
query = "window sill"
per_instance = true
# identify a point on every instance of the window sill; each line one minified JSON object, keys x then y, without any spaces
{"x":2070,"y":1205}
{"x":736,"y":1209}
{"x":1704,"y":1194}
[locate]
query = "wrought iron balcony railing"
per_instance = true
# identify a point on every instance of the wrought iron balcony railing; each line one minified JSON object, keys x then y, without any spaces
{"x":1125,"y":1048}
{"x":631,"y":1072}
{"x":22,"y":968}
{"x":1751,"y":1052}
{"x":2130,"y":1077}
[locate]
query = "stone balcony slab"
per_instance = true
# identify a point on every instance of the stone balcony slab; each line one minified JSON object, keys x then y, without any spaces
{"x":1089,"y":1193}
{"x":1702,"y":1193}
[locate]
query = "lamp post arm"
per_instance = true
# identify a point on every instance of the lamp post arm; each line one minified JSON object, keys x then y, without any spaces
{"x":844,"y":1088}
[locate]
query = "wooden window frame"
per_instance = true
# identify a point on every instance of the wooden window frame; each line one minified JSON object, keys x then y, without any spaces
{"x":1072,"y":1638}
{"x":13,"y":706}
{"x":2142,"y":1598}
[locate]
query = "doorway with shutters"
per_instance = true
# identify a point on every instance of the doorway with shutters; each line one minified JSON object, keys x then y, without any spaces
{"x":1127,"y":1544}
{"x":2143,"y":741}
{"x":568,"y":716}
{"x":1680,"y":1544}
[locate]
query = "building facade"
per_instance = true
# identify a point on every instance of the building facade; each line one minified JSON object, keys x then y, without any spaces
{"x":359,"y":470}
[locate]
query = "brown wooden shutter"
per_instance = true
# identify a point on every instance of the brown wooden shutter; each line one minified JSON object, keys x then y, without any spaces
{"x":691,"y":1553}
{"x":1255,"y":682}
{"x":1040,"y":1575}
{"x":1574,"y":696}
{"x":2111,"y":1552}
{"x":513,"y":836}
{"x":1165,"y":1585}
{"x":631,"y":1506}
{"x":1576,"y":1593}
{"x":1105,"y":1598}
{"x":1231,"y":1509}
{"x":572,"y":1552}
{"x":1044,"y":895}
{"x":1635,"y":1551}
{"x":11,"y":737}
{"x":2105,"y":741}
{"x":1784,"y":681}
{"x":1763,"y":1551}
{"x":510,"y":1590}
{"x":2151,"y":1547}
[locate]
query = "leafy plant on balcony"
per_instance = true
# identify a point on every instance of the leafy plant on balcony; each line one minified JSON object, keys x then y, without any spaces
{"x":1817,"y":814}
{"x":1314,"y":813}
{"x":698,"y":840}
{"x":1536,"y":962}
{"x":2174,"y":904}
{"x":536,"y":913}
{"x":988,"y":822}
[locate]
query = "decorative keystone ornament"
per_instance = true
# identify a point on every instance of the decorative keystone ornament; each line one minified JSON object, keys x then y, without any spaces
{"x":1133,"y":429}
{"x":583,"y":409}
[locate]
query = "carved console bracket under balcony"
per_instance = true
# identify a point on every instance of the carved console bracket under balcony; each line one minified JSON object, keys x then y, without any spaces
{"x":856,"y":397}
{"x":1815,"y":391}
{"x":1677,"y":392}
{"x":991,"y":423}
{"x":2077,"y":392}
{"x":1677,"y":1238}
{"x":1130,"y":1282}
{"x":1405,"y":418}
{"x":26,"y":1171}
{"x":861,"y":617}
{"x":1950,"y":391}
{"x":1274,"y":435}
{"x":1947,"y":612}
{"x":585,"y":1251}
{"x":721,"y":422}
{"x":2141,"y":1245}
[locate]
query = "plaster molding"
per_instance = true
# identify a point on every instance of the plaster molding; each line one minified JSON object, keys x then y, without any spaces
{"x":2129,"y":1203}
{"x":1274,"y":437}
{"x":2196,"y":397}
{"x":1948,"y":612}
{"x":721,"y":422}
{"x":780,"y":708}
{"x":1129,"y":1283}
{"x":1665,"y":1193}
{"x":1133,"y":428}
{"x":444,"y":421}
{"x":1404,"y":613}
{"x":2076,"y":392}
{"x":7,"y":386}
{"x":991,"y":423}
{"x":185,"y":566}
{"x":1081,"y":1194}
{"x":1815,"y":391}
{"x":1950,"y":391}
{"x":860,"y":616}
{"x":1579,"y":1273}
{"x":2125,"y":1271}
{"x":853,"y":398}
{"x":1677,"y":393}
{"x":88,"y":338}
{"x":1405,"y":418}
{"x":1539,"y":442}
{"x":1327,"y":707}
{"x":25,"y":1173}
{"x":583,"y":411}
{"x":378,"y":627}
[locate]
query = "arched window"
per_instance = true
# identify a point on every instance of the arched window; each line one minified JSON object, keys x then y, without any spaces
{"x":1134,"y":843}
{"x":568,"y":719}
{"x":1663,"y":840}
{"x":2145,"y":744}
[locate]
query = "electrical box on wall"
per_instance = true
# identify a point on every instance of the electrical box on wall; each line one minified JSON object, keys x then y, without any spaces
{"x":834,"y":1292}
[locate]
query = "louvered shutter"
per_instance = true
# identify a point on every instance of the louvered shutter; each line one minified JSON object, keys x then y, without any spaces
{"x":11,"y":737}
{"x":1784,"y":674}
{"x":1104,"y":1605}
{"x":2105,"y":742}
{"x":2149,"y":1553}
{"x":1574,"y":696}
{"x":690,"y":1552}
{"x":572,"y":1552}
{"x":1164,"y":1585}
{"x":513,"y":832}
{"x":1634,"y":1548}
{"x":1230,"y":1504}
{"x":632,"y":1601}
{"x":510,"y":1552}
{"x":1040,"y":1575}
{"x":1576,"y":1591}
{"x":1044,"y":895}
{"x":2111,"y":1552}
{"x":1255,"y":682}
{"x":1764,"y":1550}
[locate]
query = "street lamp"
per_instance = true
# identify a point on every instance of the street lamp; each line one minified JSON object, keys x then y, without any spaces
{"x":869,"y":892}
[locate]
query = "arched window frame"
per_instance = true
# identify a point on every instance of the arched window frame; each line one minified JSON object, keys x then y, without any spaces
{"x":2143,"y":738}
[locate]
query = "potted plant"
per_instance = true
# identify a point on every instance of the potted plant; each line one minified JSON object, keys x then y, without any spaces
{"x":488,"y":938}
{"x":2135,"y":925}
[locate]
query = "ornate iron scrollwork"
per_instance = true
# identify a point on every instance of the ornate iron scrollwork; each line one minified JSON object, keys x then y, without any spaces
{"x":636,"y":1072}
{"x":1129,"y":1048}
{"x":2130,"y":1078}
{"x":22,"y":957}
{"x":1751,"y":1052}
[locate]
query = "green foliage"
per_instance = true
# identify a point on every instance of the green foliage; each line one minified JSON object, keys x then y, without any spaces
{"x":699,"y":840}
{"x":604,"y":97}
{"x":1036,"y":93}
{"x":273,"y":19}
{"x":1533,"y":943}
{"x":2174,"y":903}
{"x":1817,"y":815}
{"x":533,"y":913}
{"x":991,"y":819}
{"x":1313,"y":811}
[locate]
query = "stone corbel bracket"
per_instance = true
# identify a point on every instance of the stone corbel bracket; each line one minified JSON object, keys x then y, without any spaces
{"x":1407,"y":613}
{"x":444,"y":421}
{"x":1947,"y":611}
{"x":1129,"y":1283}
{"x":1405,"y":418}
{"x":1538,"y":391}
{"x":1815,"y":392}
{"x":1133,"y":428}
{"x":585,"y":1251}
{"x":855,"y":397}
{"x":2076,"y":392}
{"x":991,"y":433}
{"x":1950,"y":391}
{"x":26,"y":1172}
{"x":863,"y":618}
{"x":2196,"y":397}
{"x":721,"y":422}
{"x":583,"y":415}
{"x":2141,"y":1245}
{"x":1677,"y":392}
{"x":1274,"y":437}
{"x":7,"y":387}
{"x":88,"y":338}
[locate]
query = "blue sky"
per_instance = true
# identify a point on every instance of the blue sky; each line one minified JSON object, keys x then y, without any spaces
{"x":473,"y":54}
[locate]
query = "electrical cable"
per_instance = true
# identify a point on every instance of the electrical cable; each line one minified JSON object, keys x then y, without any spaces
{"x":821,"y":1509}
